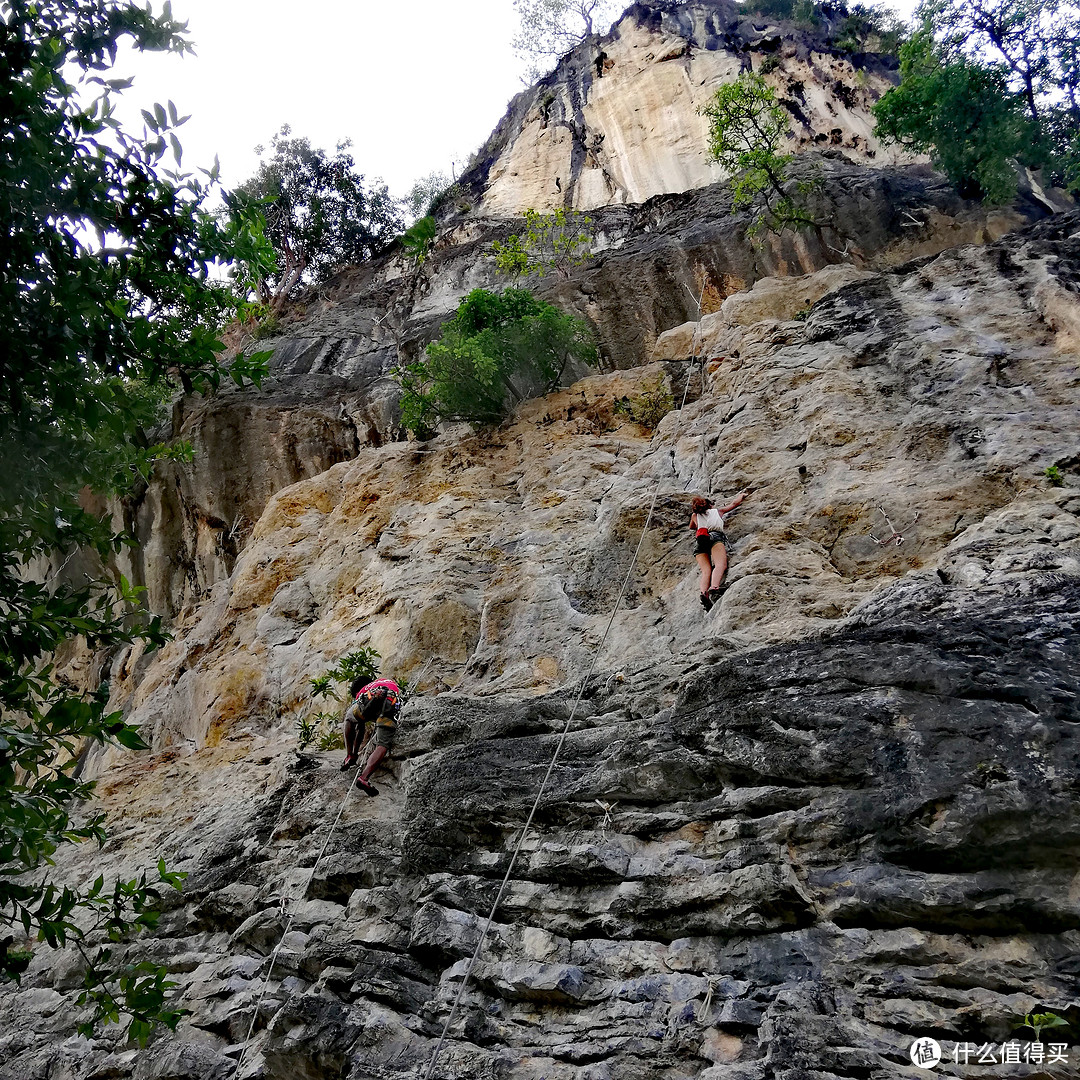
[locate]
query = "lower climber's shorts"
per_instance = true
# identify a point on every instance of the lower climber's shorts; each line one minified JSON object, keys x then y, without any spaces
{"x":384,"y":736}
{"x":705,"y":543}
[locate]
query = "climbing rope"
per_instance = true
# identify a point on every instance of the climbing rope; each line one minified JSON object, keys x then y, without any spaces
{"x":285,"y":932}
{"x":566,"y":727}
{"x":307,"y":885}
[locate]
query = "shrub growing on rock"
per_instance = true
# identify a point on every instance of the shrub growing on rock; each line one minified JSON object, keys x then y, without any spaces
{"x":498,"y":350}
{"x":552,"y":243}
{"x":747,"y":127}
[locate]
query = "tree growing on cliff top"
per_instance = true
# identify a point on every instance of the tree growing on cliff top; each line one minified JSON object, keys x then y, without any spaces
{"x":961,"y":113}
{"x":548,"y":29}
{"x":985,"y":83}
{"x":320,"y":214}
{"x":106,"y":299}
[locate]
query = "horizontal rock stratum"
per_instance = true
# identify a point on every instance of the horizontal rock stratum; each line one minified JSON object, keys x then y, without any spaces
{"x":781,"y":841}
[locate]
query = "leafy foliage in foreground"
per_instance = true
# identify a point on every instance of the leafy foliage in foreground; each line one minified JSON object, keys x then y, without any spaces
{"x":499,"y":349}
{"x":418,"y":238}
{"x":107,"y":304}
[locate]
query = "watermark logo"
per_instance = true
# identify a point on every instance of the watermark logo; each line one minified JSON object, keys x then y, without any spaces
{"x":925,"y":1053}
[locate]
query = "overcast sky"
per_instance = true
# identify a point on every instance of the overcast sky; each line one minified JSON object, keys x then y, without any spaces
{"x":415,"y":85}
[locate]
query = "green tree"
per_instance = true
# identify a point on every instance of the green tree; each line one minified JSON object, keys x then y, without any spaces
{"x":320,"y":214}
{"x":747,"y":128}
{"x":499,"y":349}
{"x":1000,"y":76}
{"x":867,"y":28}
{"x":803,"y":13}
{"x":426,"y":193}
{"x":552,"y":243}
{"x":108,"y":298}
{"x":1035,"y":41}
{"x":418,"y":238}
{"x":961,"y":113}
{"x":548,"y":29}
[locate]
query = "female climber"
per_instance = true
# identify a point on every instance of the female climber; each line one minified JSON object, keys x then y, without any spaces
{"x":710,"y":551}
{"x":372,"y":712}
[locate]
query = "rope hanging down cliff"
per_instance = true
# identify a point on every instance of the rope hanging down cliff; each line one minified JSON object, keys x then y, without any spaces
{"x":307,"y":885}
{"x":566,"y":727}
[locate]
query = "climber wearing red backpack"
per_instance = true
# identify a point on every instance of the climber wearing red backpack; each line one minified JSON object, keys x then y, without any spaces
{"x":710,"y":550}
{"x":372,"y":713}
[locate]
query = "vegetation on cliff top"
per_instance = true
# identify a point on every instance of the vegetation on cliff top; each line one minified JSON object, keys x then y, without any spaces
{"x":320,"y":215}
{"x":987,"y":83}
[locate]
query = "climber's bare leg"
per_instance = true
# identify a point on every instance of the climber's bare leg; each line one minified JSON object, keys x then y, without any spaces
{"x":719,"y":565}
{"x":706,"y":565}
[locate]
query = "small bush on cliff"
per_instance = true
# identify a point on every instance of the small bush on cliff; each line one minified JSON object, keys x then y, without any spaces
{"x":870,"y":29}
{"x":323,"y":728}
{"x":499,"y":349}
{"x":803,"y":13}
{"x":107,"y":295}
{"x":552,"y":243}
{"x":650,"y":406}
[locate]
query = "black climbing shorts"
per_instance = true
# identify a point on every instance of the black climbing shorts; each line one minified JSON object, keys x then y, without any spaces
{"x":705,"y":543}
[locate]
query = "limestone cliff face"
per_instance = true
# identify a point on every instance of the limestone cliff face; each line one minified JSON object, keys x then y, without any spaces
{"x":330,"y":393}
{"x":616,"y":125}
{"x":782,"y":840}
{"x":619,"y":120}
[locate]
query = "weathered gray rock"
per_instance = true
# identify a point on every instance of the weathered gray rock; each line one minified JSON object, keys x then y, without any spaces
{"x":780,"y":841}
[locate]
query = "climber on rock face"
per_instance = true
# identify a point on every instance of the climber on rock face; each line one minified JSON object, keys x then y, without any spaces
{"x":372,"y":713}
{"x":710,"y":549}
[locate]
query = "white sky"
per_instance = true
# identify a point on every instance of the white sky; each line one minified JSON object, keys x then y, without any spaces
{"x":415,"y":84}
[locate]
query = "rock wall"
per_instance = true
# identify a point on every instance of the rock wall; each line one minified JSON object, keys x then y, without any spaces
{"x":330,"y":394}
{"x":614,"y":129}
{"x":782,"y":840}
{"x":619,"y":119}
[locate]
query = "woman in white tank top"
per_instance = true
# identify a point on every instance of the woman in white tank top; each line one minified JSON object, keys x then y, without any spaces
{"x":710,"y":550}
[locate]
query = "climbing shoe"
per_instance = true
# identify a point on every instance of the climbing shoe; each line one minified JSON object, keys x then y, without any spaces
{"x":365,"y":787}
{"x":349,"y":762}
{"x":715,"y":594}
{"x":706,"y":601}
